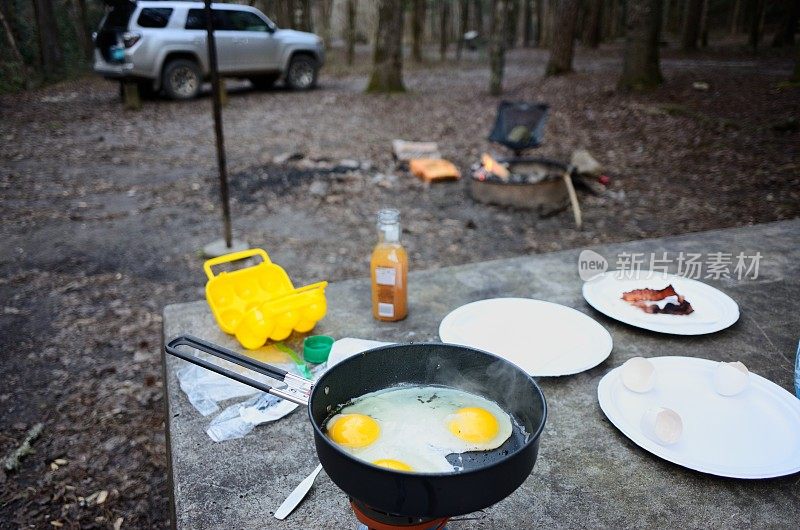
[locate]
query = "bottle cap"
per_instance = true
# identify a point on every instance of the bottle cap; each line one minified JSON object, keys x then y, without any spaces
{"x":316,"y":348}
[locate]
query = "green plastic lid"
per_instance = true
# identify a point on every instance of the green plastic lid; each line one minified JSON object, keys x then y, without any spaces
{"x":316,"y":348}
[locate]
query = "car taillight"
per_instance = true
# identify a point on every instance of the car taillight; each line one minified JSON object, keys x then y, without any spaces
{"x":129,"y":38}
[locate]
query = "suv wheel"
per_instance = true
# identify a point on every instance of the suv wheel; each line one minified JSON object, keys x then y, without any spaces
{"x":302,"y":72}
{"x":181,"y":79}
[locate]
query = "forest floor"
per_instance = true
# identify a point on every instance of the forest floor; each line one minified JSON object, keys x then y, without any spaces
{"x":104,"y":212}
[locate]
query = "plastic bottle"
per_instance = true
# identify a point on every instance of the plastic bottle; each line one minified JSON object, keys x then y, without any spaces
{"x":389,"y":270}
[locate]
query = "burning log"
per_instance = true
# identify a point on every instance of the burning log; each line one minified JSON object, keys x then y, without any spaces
{"x":493,"y":167}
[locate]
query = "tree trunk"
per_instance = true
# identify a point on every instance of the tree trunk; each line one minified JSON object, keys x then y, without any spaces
{"x":325,"y":13}
{"x":444,"y":26}
{"x":756,"y":14}
{"x":82,"y":29}
{"x":497,"y":47}
{"x":417,"y":29}
{"x":593,"y":17}
{"x":736,"y":10}
{"x":785,"y":34}
{"x":691,"y":24}
{"x":796,"y":74}
{"x":640,"y":63}
{"x":527,"y":23}
{"x":284,"y":13}
{"x":352,"y":7}
{"x":387,"y":62}
{"x":539,"y":23}
{"x":704,"y":25}
{"x":10,"y":38}
{"x":512,"y":23}
{"x":563,"y":46}
{"x":463,"y":26}
{"x":547,"y":23}
{"x":305,"y":22}
{"x":50,"y":53}
{"x":479,"y":24}
{"x":615,"y":17}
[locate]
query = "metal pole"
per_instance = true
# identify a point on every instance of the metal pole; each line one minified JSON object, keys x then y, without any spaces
{"x":217,"y":99}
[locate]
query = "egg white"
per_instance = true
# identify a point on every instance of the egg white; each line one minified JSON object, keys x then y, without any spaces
{"x":413,"y":426}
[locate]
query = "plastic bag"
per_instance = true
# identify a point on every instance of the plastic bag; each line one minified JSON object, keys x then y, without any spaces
{"x":205,"y":389}
{"x":239,"y":419}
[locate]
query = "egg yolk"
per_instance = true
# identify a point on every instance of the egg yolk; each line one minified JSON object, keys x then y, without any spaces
{"x":473,"y":424}
{"x":393,"y":464}
{"x":354,"y":430}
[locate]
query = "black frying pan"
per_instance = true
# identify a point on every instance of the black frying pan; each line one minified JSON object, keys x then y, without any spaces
{"x":488,"y":476}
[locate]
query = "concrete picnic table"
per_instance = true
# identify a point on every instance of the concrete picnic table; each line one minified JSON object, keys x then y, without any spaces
{"x":588,"y":473}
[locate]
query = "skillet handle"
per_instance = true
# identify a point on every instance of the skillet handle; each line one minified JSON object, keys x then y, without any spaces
{"x":296,"y":390}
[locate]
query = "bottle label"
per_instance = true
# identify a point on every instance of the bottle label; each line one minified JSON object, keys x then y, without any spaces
{"x":385,"y":276}
{"x":385,"y":310}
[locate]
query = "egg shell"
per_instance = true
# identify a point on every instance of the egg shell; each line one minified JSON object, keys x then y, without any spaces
{"x":731,"y":378}
{"x":638,"y":375}
{"x":662,"y":425}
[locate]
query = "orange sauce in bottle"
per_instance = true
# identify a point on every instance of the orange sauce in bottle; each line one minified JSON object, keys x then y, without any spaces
{"x":389,"y":270}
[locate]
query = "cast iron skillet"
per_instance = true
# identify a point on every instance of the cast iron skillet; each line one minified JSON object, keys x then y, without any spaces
{"x":487,"y":476}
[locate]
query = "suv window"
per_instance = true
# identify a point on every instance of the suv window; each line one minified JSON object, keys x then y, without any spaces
{"x":226,"y":19}
{"x":245,"y":21}
{"x":196,"y":19}
{"x":154,"y":17}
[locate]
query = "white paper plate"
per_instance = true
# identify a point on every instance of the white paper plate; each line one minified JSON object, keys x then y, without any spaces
{"x":755,"y":434}
{"x":542,"y":338}
{"x":713,"y":309}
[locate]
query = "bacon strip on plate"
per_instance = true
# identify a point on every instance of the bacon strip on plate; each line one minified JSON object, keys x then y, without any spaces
{"x":641,"y":298}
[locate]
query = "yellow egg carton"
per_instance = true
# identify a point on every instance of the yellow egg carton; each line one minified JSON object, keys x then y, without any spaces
{"x":260,"y":302}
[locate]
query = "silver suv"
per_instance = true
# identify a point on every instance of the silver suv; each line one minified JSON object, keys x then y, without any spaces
{"x":162,"y":46}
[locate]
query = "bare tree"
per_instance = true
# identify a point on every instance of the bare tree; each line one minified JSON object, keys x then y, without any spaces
{"x":691,"y":24}
{"x":527,"y":23}
{"x":463,"y":26}
{"x":704,"y":25}
{"x":387,"y":59}
{"x":305,"y":22}
{"x":325,"y":13}
{"x":284,"y":13}
{"x":640,"y":61}
{"x":512,"y":23}
{"x":12,"y":43}
{"x":548,"y":22}
{"x":594,"y":16}
{"x":756,"y":16}
{"x":796,"y":74}
{"x":50,"y":53}
{"x":736,"y":11}
{"x":479,"y":24}
{"x":352,"y":11}
{"x":562,"y":50}
{"x":539,"y":22}
{"x":444,"y":26}
{"x":497,"y":47}
{"x":612,"y":19}
{"x":82,"y":29}
{"x":788,"y":26}
{"x":417,"y":28}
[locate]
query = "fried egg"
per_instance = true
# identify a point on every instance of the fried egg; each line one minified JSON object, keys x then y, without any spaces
{"x":413,"y":428}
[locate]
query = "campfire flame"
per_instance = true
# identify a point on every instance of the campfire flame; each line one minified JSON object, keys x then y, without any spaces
{"x":494,"y":167}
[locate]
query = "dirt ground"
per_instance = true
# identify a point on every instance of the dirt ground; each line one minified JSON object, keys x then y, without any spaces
{"x":104,"y":212}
